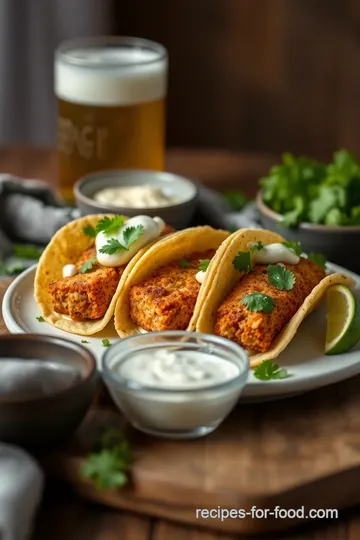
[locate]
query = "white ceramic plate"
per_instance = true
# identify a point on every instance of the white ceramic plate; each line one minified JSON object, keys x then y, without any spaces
{"x":304,"y":358}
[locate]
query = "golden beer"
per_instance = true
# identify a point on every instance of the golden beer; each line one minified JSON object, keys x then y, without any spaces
{"x":111,"y":106}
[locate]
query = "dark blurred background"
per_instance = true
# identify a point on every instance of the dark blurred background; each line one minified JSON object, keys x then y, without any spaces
{"x":266,"y":75}
{"x":246,"y":75}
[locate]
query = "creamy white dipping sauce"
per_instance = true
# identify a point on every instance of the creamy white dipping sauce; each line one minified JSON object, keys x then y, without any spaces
{"x":185,"y":392}
{"x":200,"y":276}
{"x":145,"y":196}
{"x":178,"y":369}
{"x":274,"y":253}
{"x":69,"y":270}
{"x":152,"y":229}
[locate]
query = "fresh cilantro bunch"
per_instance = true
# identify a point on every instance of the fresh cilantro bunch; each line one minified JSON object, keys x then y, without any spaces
{"x":305,"y":190}
{"x":107,"y":466}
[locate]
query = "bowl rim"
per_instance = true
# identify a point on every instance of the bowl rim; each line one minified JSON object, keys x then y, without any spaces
{"x":66,"y":344}
{"x":133,"y":386}
{"x":305,"y":225}
{"x":88,"y":178}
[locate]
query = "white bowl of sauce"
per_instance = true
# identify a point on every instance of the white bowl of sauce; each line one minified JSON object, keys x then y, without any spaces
{"x":175,"y":384}
{"x":130,"y":192}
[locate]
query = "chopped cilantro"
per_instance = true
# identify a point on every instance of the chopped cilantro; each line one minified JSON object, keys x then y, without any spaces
{"x":257,"y":301}
{"x":131,"y":234}
{"x":109,"y":225}
{"x":318,"y":258}
{"x":268,"y":370}
{"x":204,"y":264}
{"x":281,"y":277}
{"x":242,"y":261}
{"x":184,"y":263}
{"x":106,"y":342}
{"x":87,"y":266}
{"x":256,"y":247}
{"x":107,"y":466}
{"x":84,"y":341}
{"x":295,"y":246}
{"x":112,"y":246}
{"x":40,"y":319}
{"x":89,"y":231}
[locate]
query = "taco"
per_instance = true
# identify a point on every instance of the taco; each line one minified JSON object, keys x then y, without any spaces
{"x":162,"y":290}
{"x":76,"y":285}
{"x":257,"y":295}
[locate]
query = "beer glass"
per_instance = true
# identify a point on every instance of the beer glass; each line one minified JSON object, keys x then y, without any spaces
{"x":111,"y":106}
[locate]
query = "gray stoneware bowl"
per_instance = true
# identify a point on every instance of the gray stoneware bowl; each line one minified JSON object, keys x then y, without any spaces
{"x":338,"y":244}
{"x":37,"y":423}
{"x":178,"y":215}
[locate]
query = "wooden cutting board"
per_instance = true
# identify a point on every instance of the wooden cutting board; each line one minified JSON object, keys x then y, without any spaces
{"x":289,"y":453}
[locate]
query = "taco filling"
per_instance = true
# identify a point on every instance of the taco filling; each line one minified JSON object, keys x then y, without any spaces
{"x":88,"y":284}
{"x":166,"y":300}
{"x":255,"y":325}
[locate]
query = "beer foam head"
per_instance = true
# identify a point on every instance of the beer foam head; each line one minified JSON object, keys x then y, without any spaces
{"x":116,"y":75}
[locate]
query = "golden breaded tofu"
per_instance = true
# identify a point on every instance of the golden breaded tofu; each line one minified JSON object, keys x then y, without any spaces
{"x":255,"y":331}
{"x":88,"y":295}
{"x":166,"y":300}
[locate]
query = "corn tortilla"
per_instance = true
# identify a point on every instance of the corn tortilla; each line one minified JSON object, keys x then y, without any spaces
{"x":180,"y":245}
{"x":66,"y":247}
{"x":223,"y":277}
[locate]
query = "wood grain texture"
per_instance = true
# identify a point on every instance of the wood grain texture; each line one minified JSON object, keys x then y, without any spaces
{"x":287,"y":453}
{"x":283,"y":75}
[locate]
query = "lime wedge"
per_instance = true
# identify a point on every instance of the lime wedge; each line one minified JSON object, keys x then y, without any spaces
{"x":343,"y":320}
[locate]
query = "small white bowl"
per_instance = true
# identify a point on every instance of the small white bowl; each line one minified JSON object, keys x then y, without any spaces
{"x":178,"y":215}
{"x":175,"y":413}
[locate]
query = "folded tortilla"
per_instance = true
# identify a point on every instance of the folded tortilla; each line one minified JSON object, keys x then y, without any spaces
{"x":180,"y":245}
{"x":222,"y":277}
{"x":66,"y":247}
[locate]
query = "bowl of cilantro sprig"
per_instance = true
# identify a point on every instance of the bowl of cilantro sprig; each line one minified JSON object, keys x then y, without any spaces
{"x":315,"y":203}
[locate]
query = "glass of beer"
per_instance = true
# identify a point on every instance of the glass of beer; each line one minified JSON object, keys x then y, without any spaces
{"x":111,"y":106}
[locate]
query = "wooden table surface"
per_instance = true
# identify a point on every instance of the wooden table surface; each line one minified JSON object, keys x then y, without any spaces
{"x":63,"y":515}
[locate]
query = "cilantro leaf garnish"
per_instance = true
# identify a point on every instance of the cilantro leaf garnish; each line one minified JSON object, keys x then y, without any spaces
{"x":257,"y":247}
{"x":89,"y":231}
{"x":295,"y":246}
{"x":257,"y":301}
{"x":107,"y":466}
{"x":106,"y":225}
{"x":131,"y":234}
{"x":281,"y":277}
{"x":204,"y":264}
{"x":235,"y":199}
{"x":112,"y":246}
{"x":106,"y":342}
{"x":268,"y":370}
{"x":242,"y":261}
{"x":318,"y":258}
{"x":184,"y":263}
{"x":27,"y":251}
{"x":87,"y":266}
{"x":40,"y":319}
{"x":84,"y":341}
{"x":109,"y":225}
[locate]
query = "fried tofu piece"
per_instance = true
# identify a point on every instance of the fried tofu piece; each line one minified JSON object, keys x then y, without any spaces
{"x":166,"y":300}
{"x":86,"y":296}
{"x":255,"y":331}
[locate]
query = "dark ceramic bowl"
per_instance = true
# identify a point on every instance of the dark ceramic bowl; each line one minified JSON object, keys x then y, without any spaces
{"x":37,"y":423}
{"x":179,"y":215}
{"x":338,"y":244}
